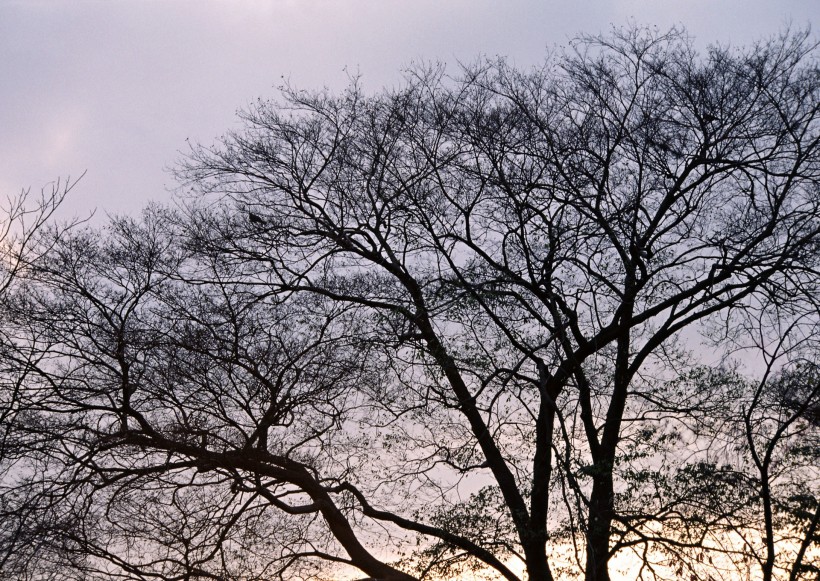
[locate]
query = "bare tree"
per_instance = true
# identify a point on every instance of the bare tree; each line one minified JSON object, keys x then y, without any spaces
{"x":430,"y":330}
{"x":26,"y":220}
{"x":22,"y":219}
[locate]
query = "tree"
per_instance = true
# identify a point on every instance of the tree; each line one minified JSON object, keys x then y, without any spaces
{"x":24,"y":219}
{"x":426,"y":331}
{"x":780,"y":426}
{"x":774,"y":463}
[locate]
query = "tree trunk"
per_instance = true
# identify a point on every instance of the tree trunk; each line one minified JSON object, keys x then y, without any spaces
{"x":599,"y":525}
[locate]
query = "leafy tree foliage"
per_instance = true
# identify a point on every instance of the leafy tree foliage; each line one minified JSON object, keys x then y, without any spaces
{"x":446,"y":329}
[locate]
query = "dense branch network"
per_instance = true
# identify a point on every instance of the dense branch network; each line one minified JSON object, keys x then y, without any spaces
{"x":443,"y":329}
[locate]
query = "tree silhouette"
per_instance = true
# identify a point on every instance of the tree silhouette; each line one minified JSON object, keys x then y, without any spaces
{"x":463,"y":340}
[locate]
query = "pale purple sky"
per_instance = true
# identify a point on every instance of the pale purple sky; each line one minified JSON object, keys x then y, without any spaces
{"x":116,"y":86}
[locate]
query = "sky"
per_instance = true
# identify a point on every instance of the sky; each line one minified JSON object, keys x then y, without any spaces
{"x":114,"y":88}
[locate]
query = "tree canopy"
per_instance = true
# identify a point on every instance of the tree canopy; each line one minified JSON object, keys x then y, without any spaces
{"x":453,"y":328}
